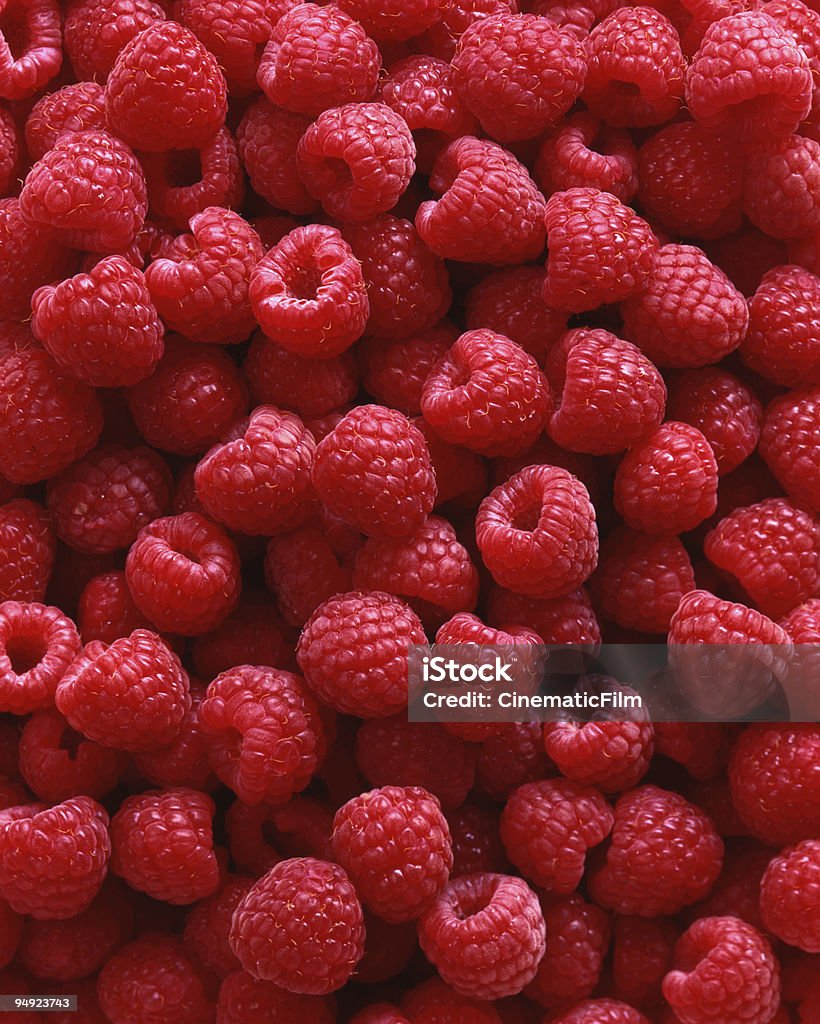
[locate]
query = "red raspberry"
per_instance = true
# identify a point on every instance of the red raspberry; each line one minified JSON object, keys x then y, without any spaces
{"x":577,"y":941}
{"x":183,"y":573}
{"x":475,"y":840}
{"x":434,"y":1002}
{"x":53,"y":860}
{"x":547,"y":828}
{"x":487,"y":394}
{"x":461,"y":475}
{"x":317,"y":58}
{"x":388,"y":949}
{"x":267,"y":738}
{"x":393,"y":19}
{"x":267,"y":138}
{"x":485,"y":934}
{"x":74,"y":108}
{"x":780,"y":184}
{"x":641,"y":956}
{"x":509,"y":302}
{"x":518,"y":74}
{"x":691,"y":180}
{"x":395,"y":845}
{"x":488,"y":211}
{"x":357,"y":160}
{"x":578,"y":18}
{"x":747,"y":255}
{"x":663,"y":855}
{"x":688,"y":314}
{"x":308,"y":293}
{"x":184,"y":761}
{"x":509,"y":759}
{"x":254,"y":634}
{"x":394,"y":370}
{"x":584,"y":152}
{"x":260,"y":836}
{"x":243,"y":998}
{"x":430,"y":570}
{"x":165,"y":91}
{"x":11,"y":143}
{"x":610,"y":755}
{"x":301,"y":927}
{"x":788,"y":896}
{"x":749,"y":79}
{"x":441,"y":39}
{"x":162,"y":845}
{"x":96,"y":30}
{"x":30,"y":256}
{"x":154,"y":978}
{"x":537,"y":532}
{"x":37,"y":645}
{"x":28,"y":546}
{"x":780,"y":341}
{"x":790,"y":444}
{"x":737,"y":892}
{"x":561,"y":620}
{"x":803,"y":623}
{"x":610,"y":394}
{"x":311,"y":387}
{"x":303,"y":571}
{"x":723,"y":968}
{"x":31,"y":47}
{"x":193,"y":397}
{"x":208,"y":926}
{"x":601,"y":1011}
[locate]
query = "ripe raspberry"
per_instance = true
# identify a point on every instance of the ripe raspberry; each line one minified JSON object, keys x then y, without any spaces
{"x":309,"y":294}
{"x":803,"y":623}
{"x":790,"y":444}
{"x":537,"y":533}
{"x":485,"y":934}
{"x":518,"y":74}
{"x":582,"y":152}
{"x":317,"y":58}
{"x":780,"y":341}
{"x":162,"y":845}
{"x":601,"y":1011}
{"x":748,"y":254}
{"x":475,"y":840}
{"x":394,"y":19}
{"x":609,"y":395}
{"x":725,"y":968}
{"x":610,"y":755}
{"x":183,"y":573}
{"x":53,"y":860}
{"x":357,"y":160}
{"x":641,"y":956}
{"x":267,"y":738}
{"x":262,"y":835}
{"x":30,"y":256}
{"x":37,"y":645}
{"x":511,"y":758}
{"x":461,"y":475}
{"x":788,"y":896}
{"x":508,"y":302}
{"x":30,"y":47}
{"x":388,"y":949}
{"x":96,"y":30}
{"x":749,"y":79}
{"x":394,"y":370}
{"x":208,"y":926}
{"x":28,"y":545}
{"x":737,"y":892}
{"x":74,"y":108}
{"x":487,"y":394}
{"x":267,"y":139}
{"x":165,"y":91}
{"x":561,"y":620}
{"x":488,"y":211}
{"x":253,"y":634}
{"x":441,"y":39}
{"x":303,"y":571}
{"x":301,"y":927}
{"x":243,"y":997}
{"x":780,"y":184}
{"x":184,"y":761}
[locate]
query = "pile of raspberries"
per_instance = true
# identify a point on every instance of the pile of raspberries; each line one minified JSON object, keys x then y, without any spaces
{"x":330,"y":329}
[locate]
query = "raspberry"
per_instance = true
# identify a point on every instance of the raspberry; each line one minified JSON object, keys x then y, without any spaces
{"x":780,"y":341}
{"x":96,"y":30}
{"x":89,"y":188}
{"x":461,"y":475}
{"x":303,"y":571}
{"x":773,"y":550}
{"x":267,"y":139}
{"x":379,"y":1013}
{"x":547,"y":827}
{"x":53,"y":860}
{"x":266,"y":736}
{"x":803,"y":623}
{"x":394,"y":370}
{"x":508,"y":302}
{"x":641,"y":956}
{"x":153,"y":980}
{"x":165,"y":91}
{"x":183,"y":573}
{"x":691,"y":180}
{"x":388,"y":949}
{"x":37,"y":645}
{"x":518,"y":74}
{"x":723,"y":968}
{"x":475,"y":840}
{"x":737,"y":892}
{"x":562,"y":620}
{"x":10,"y":152}
{"x":262,"y":834}
{"x":28,"y":546}
{"x":486,"y":394}
{"x":193,"y":397}
{"x":537,"y":532}
{"x":208,"y":926}
{"x":30,"y":50}
{"x":163,"y":845}
{"x":317,"y":58}
{"x":788,"y":896}
{"x":74,"y":108}
{"x":30,"y":256}
{"x":394,"y":19}
{"x":488,"y":211}
{"x":582,"y":152}
{"x":511,"y":758}
{"x":601,"y":1011}
{"x":131,"y":695}
{"x":610,"y":755}
{"x":749,"y":79}
{"x":747,"y":255}
{"x":688,"y":314}
{"x":780,"y":183}
{"x":254,"y":633}
{"x":300,"y":926}
{"x":373,"y":470}
{"x":357,"y":160}
{"x":243,"y":997}
{"x":395,"y":845}
{"x":790,"y":444}
{"x":441,"y":39}
{"x":610,"y":396}
{"x":308,"y":293}
{"x":485,"y":934}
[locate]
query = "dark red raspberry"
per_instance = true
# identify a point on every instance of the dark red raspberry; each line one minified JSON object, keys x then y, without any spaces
{"x":96,"y":30}
{"x":518,"y":74}
{"x":688,"y":313}
{"x":317,"y":58}
{"x":28,"y":545}
{"x":394,"y":369}
{"x":691,"y":180}
{"x":601,"y":1011}
{"x":303,"y":571}
{"x":562,"y":620}
{"x":30,"y":256}
{"x":788,"y":896}
{"x":11,"y":142}
{"x":301,"y":927}
{"x":610,"y":755}
{"x":30,"y":47}
{"x":310,"y":387}
{"x":441,"y":39}
{"x":790,"y":444}
{"x":243,"y":997}
{"x":184,"y":761}
{"x":581,"y":152}
{"x":723,"y":967}
{"x":388,"y":949}
{"x":641,"y":956}
{"x":357,"y":160}
{"x":394,"y":844}
{"x":749,"y":79}
{"x":37,"y":645}
{"x":780,"y":184}
{"x":379,"y":1013}
{"x":266,"y":735}
{"x":475,"y":840}
{"x":511,"y":758}
{"x":537,"y":532}
{"x":748,"y":254}
{"x":267,"y":138}
{"x":208,"y":926}
{"x":183,"y":573}
{"x":509,"y":302}
{"x":393,"y":19}
{"x":154,"y":971}
{"x":106,"y":610}
{"x":461,"y":475}
{"x":578,"y":18}
{"x":165,"y":91}
{"x":434,"y":1002}
{"x":254,"y":634}
{"x":74,"y":108}
{"x":53,"y":860}
{"x":780,"y":341}
{"x":489,"y":209}
{"x":485,"y":934}
{"x":262,"y":835}
{"x":737,"y":892}
{"x":609,"y":395}
{"x":487,"y":394}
